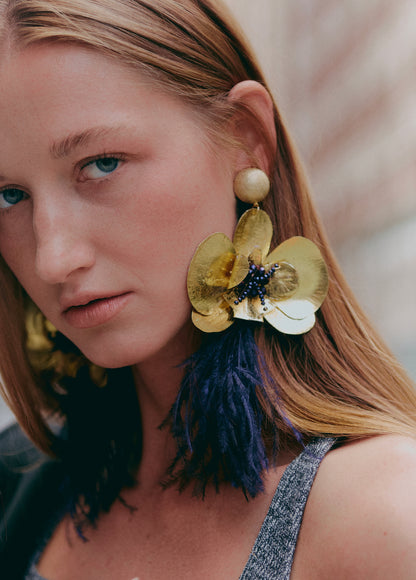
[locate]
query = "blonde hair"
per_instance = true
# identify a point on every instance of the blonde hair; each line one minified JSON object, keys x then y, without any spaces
{"x":339,"y":378}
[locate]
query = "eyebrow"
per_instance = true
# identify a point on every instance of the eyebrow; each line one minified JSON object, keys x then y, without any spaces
{"x":64,"y":147}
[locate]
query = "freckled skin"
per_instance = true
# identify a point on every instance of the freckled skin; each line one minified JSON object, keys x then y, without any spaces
{"x":133,"y":229}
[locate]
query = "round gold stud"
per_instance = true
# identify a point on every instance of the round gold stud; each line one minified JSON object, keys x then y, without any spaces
{"x":251,"y":185}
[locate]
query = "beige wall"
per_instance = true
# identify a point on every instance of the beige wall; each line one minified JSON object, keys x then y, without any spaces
{"x":345,"y":76}
{"x":263,"y":21}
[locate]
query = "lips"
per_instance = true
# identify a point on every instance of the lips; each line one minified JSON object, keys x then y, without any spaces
{"x":87,"y":312}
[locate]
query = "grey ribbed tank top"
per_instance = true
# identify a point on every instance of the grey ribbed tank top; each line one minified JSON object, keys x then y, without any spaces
{"x":272,"y":555}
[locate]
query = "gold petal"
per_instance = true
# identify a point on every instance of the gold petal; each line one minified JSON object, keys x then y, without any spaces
{"x":220,"y":270}
{"x":296,"y":309}
{"x":288,"y":325}
{"x":256,"y":256}
{"x":216,"y":322}
{"x":209,"y":273}
{"x":249,"y":308}
{"x":239,"y":272}
{"x":98,"y":375}
{"x":283,"y":283}
{"x":254,"y":232}
{"x":38,"y":342}
{"x":36,"y":328}
{"x":305,"y":257}
{"x":50,"y":328}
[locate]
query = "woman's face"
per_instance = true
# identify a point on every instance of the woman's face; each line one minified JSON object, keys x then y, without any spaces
{"x":107,"y":186}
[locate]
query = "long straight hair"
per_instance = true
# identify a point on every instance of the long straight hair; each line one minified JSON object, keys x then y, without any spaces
{"x":339,"y":378}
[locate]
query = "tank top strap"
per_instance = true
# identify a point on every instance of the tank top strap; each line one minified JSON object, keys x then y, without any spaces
{"x":272,"y":555}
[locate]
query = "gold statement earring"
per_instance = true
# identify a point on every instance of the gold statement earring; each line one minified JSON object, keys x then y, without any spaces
{"x":243,"y":279}
{"x":46,"y":355}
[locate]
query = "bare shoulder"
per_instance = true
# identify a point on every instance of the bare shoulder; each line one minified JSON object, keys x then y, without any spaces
{"x":360,"y":520}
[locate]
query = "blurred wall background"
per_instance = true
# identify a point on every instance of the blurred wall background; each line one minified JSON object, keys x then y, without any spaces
{"x":344,"y":75}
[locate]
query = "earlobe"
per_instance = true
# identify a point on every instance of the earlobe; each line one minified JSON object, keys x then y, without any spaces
{"x":254,"y":124}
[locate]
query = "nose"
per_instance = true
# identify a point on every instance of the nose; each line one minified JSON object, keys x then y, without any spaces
{"x":62,"y":242}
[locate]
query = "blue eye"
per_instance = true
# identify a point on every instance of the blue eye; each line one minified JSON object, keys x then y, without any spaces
{"x":100,"y":167}
{"x":11,"y":197}
{"x":107,"y":164}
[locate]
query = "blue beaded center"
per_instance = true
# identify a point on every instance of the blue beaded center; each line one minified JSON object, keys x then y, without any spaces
{"x":254,"y":283}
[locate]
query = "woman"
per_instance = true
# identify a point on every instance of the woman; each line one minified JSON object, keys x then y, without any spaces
{"x":126,"y":127}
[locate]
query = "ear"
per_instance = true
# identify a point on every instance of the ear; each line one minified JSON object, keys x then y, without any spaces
{"x":254,"y":125}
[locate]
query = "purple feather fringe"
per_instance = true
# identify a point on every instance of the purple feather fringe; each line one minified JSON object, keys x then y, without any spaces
{"x":217,"y":419}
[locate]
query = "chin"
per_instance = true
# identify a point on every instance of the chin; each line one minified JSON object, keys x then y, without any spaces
{"x":116,"y":358}
{"x":122,"y":353}
{"x":125,"y":345}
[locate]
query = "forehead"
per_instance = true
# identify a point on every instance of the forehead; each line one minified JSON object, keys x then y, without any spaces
{"x":52,"y":91}
{"x":54,"y":69}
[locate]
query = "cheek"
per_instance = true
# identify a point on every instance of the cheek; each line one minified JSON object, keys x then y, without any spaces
{"x":178,"y":209}
{"x":20,"y":258}
{"x":17,"y":241}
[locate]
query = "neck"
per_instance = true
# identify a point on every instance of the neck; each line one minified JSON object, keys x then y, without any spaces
{"x":157,"y":382}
